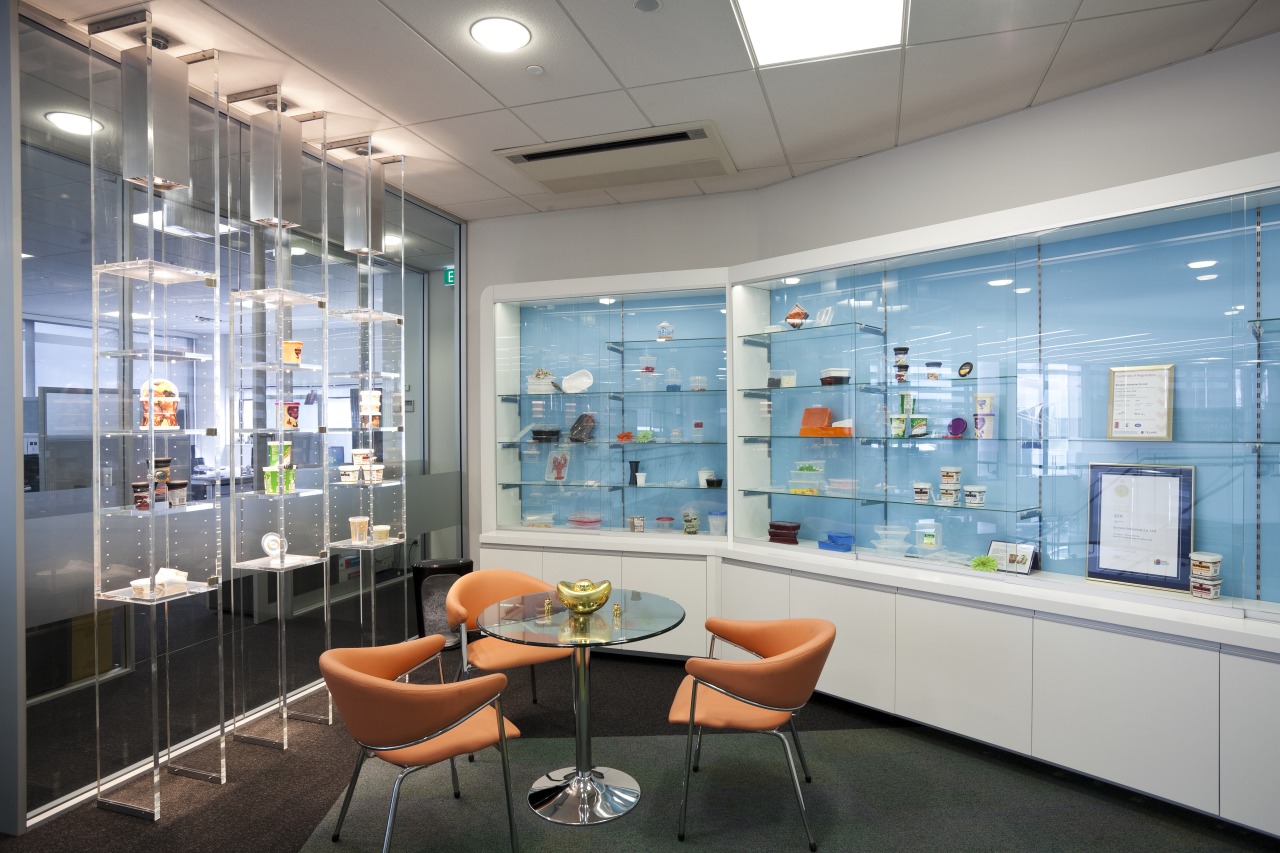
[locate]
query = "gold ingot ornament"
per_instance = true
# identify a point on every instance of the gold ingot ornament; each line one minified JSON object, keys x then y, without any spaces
{"x":583,"y":596}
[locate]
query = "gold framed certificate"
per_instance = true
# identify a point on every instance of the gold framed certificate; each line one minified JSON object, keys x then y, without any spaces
{"x":1141,"y":407}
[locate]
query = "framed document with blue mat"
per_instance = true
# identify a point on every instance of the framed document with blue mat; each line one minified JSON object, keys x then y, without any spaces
{"x":1140,"y":524}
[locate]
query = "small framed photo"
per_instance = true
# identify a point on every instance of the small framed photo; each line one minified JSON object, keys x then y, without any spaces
{"x":1141,"y":403}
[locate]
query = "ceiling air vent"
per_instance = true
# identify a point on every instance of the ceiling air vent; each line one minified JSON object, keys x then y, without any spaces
{"x":676,"y":152}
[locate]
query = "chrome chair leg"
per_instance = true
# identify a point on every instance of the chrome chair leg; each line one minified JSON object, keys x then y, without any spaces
{"x":351,"y":789}
{"x":506,"y":776}
{"x":795,"y":736}
{"x":453,"y":769}
{"x":697,"y":753}
{"x":391,"y":812}
{"x":795,"y":780}
{"x":533,"y":683}
{"x":689,"y":759}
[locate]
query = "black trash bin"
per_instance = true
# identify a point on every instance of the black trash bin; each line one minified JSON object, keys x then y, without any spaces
{"x":432,"y":579}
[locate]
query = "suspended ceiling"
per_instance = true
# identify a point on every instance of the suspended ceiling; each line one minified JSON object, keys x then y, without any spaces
{"x":408,"y":72}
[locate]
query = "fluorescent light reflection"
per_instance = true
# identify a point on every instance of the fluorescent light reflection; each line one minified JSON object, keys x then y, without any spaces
{"x":1209,"y":277}
{"x":1199,"y":265}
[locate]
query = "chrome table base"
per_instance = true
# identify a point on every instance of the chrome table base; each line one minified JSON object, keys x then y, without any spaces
{"x":581,"y":799}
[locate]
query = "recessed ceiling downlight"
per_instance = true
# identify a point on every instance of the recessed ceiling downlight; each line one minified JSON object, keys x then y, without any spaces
{"x":73,"y":123}
{"x":809,"y":29}
{"x":500,"y":34}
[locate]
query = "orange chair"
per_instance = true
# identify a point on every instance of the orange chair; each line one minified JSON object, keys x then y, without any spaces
{"x":414,"y":725}
{"x":757,"y":695}
{"x":471,"y":594}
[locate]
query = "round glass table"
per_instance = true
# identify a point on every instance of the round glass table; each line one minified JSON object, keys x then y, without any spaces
{"x":582,"y":794}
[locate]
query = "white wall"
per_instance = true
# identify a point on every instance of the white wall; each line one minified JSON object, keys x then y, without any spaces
{"x":1132,"y":145}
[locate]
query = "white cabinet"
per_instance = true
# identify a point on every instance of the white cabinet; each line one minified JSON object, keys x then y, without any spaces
{"x":684,"y":581}
{"x":527,"y":560}
{"x":572,"y":565}
{"x":1250,"y":758}
{"x":1137,"y":711}
{"x":861,"y":665}
{"x":965,"y":669}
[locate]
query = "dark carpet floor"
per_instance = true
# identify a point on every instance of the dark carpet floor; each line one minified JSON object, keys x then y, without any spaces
{"x":277,"y":800}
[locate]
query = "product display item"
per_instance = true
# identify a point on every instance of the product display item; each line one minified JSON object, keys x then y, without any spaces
{"x":583,"y":428}
{"x":159,"y":399}
{"x":291,"y":352}
{"x":796,"y":316}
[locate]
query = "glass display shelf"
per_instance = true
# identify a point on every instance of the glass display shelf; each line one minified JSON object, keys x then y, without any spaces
{"x":348,"y":545}
{"x":365,"y":315}
{"x":589,"y":395}
{"x":659,"y":344}
{"x":276,"y":366}
{"x":791,"y":389}
{"x":158,"y":272}
{"x":650,"y":445}
{"x":190,"y":588}
{"x":278,"y":297}
{"x":382,"y":484}
{"x":279,"y":564}
{"x":296,"y":493}
{"x":158,"y":355}
{"x":162,"y":509}
{"x":765,"y":439}
{"x":292,"y":431}
{"x":560,"y":484}
{"x":386,"y":429}
{"x":377,"y":374}
{"x":685,"y":486}
{"x":157,"y":433}
{"x":663,"y":392}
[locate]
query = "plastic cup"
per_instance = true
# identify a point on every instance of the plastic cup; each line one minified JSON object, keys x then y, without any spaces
{"x":359,"y":529}
{"x":717,"y":522}
{"x":381,"y":532}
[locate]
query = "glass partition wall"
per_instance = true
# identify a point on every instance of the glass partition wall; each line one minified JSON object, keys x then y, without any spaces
{"x":58,"y":364}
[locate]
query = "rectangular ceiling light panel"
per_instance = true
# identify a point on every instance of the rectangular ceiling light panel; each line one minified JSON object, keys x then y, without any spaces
{"x":809,"y":29}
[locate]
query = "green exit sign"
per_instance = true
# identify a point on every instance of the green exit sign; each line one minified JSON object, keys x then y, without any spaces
{"x":450,"y":277}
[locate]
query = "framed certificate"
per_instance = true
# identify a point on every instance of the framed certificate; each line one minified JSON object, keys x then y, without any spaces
{"x":1141,"y":407}
{"x":1140,"y":524}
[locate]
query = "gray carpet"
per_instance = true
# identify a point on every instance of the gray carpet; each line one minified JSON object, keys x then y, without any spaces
{"x":873,"y":790}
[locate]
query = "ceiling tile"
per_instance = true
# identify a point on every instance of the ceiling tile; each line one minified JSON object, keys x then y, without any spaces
{"x":589,"y":115}
{"x":938,"y":20}
{"x":1103,"y":8}
{"x":567,"y":201}
{"x":571,"y":66}
{"x":735,"y":102}
{"x":471,"y":140}
{"x":650,"y":192}
{"x":364,"y":48}
{"x":678,"y":41}
{"x":746,"y":179}
{"x":1102,"y":50}
{"x":1261,"y":19}
{"x":473,"y":210}
{"x":448,"y":183}
{"x":838,"y":108}
{"x":951,"y":84}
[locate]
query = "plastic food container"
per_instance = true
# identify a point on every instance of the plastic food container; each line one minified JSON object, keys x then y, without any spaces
{"x":975,"y":496}
{"x":177,"y":492}
{"x":586,"y":520}
{"x":782,"y":379}
{"x":717,"y":522}
{"x":1204,"y":564}
{"x":381,"y":532}
{"x":835,"y":376}
{"x":1206,"y":587}
{"x":362,"y":456}
{"x":374,"y":472}
{"x":697,"y":383}
{"x":348,"y":473}
{"x":538,"y":519}
{"x":666,"y":522}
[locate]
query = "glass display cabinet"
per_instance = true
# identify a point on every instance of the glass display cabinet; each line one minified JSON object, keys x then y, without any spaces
{"x":877,"y":408}
{"x":152,"y":413}
{"x":278,"y":339}
{"x":366,"y":524}
{"x":611,"y":413}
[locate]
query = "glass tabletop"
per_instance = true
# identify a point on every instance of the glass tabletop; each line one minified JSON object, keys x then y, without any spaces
{"x":523,"y":619}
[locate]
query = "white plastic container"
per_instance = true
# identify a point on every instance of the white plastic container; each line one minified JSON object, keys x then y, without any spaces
{"x":1206,"y":564}
{"x":949,"y":475}
{"x":349,"y":473}
{"x":1206,"y":587}
{"x":975,"y":496}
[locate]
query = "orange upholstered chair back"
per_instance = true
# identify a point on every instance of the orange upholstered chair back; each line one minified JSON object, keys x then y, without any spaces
{"x":475,"y":591}
{"x":793,"y":652}
{"x":380,"y":712}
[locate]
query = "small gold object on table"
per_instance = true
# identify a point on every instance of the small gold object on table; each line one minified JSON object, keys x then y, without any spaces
{"x":583,"y":597}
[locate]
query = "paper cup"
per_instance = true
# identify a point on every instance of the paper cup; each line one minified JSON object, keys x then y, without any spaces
{"x":984,"y":426}
{"x":289,"y":413}
{"x":280,"y":452}
{"x":984,"y":404}
{"x":291,"y":352}
{"x":898,"y":426}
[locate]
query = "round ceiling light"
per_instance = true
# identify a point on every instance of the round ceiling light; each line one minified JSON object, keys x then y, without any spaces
{"x":73,"y":123}
{"x":500,"y":34}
